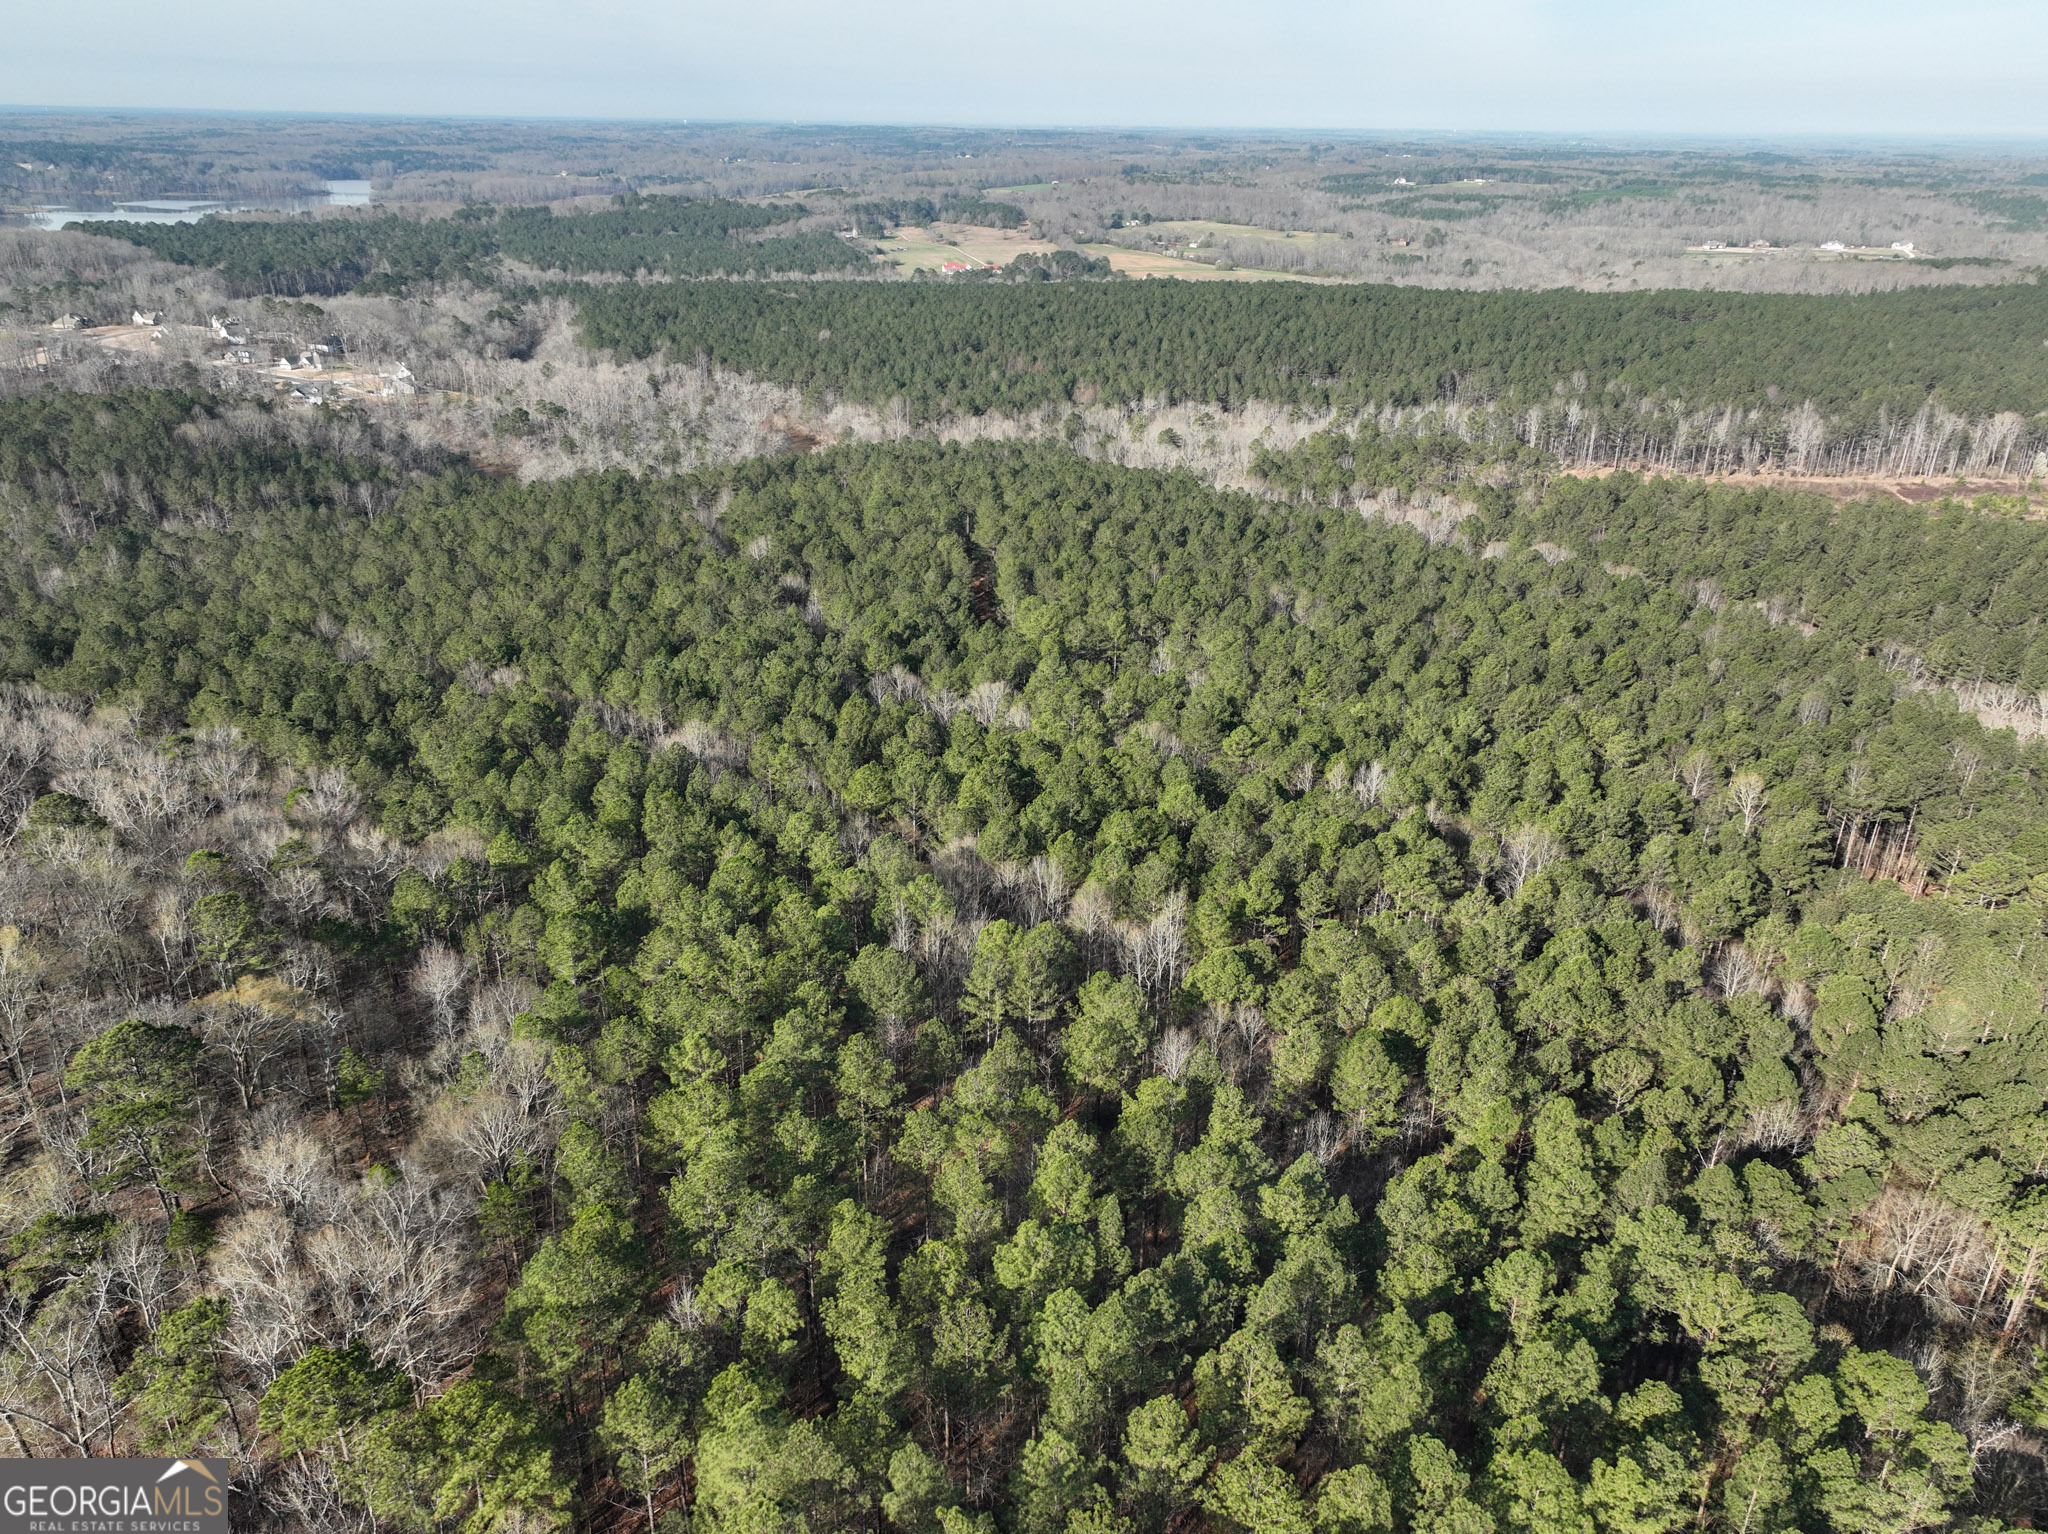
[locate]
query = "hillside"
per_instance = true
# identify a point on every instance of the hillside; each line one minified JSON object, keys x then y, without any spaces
{"x":964,"y":989}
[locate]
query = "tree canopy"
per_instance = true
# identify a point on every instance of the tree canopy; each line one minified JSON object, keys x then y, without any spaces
{"x":967,"y":989}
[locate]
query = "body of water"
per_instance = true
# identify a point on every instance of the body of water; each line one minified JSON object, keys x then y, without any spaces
{"x":189,"y":210}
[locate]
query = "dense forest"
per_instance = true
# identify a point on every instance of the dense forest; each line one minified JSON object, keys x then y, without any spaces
{"x":1954,"y":584}
{"x":1919,"y":381}
{"x":1979,"y":349}
{"x":943,"y":990}
{"x":387,"y":253}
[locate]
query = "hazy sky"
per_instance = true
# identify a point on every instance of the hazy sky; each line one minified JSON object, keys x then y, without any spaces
{"x":1905,"y":67}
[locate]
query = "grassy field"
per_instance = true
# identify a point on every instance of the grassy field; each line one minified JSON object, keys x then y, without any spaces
{"x":1152,"y":263}
{"x":1193,"y":234}
{"x":915,"y":249}
{"x":920,"y":249}
{"x":1210,"y":232}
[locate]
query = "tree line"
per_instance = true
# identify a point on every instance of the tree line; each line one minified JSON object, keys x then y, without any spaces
{"x":1975,"y":351}
{"x":872,"y":219}
{"x":387,"y":253}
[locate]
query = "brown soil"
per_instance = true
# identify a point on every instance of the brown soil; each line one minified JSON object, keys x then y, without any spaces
{"x":1913,"y":491}
{"x":801,"y":439}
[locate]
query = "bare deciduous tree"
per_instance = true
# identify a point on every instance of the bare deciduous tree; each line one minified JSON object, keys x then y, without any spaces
{"x":1697,"y":773}
{"x":1747,"y":796}
{"x":495,"y":1133}
{"x":288,"y":1168}
{"x":438,"y":978}
{"x":274,"y":1309}
{"x":249,"y":1035}
{"x":399,"y":1273}
{"x":1526,"y":852}
{"x":1369,"y":783}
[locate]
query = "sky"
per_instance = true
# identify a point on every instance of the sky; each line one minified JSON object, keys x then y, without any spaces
{"x":1898,"y":69}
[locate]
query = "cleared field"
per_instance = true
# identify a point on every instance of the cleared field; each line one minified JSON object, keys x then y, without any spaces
{"x":916,"y":249}
{"x":1208,"y":231}
{"x":1151,"y":263}
{"x":919,"y":249}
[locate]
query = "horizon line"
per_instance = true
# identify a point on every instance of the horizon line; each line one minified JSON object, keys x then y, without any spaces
{"x":1589,"y":137}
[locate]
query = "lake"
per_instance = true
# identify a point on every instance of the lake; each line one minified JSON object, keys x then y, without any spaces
{"x":189,"y":210}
